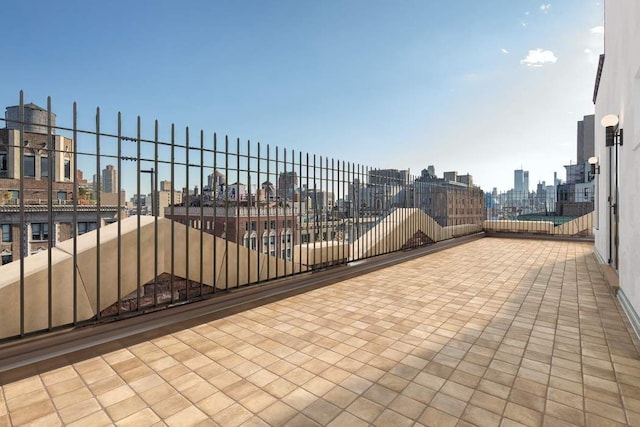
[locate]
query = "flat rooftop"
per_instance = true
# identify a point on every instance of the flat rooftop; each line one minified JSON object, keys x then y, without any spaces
{"x":494,"y":332}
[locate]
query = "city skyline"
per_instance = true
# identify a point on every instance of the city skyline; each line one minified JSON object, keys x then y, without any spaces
{"x":511,"y":78}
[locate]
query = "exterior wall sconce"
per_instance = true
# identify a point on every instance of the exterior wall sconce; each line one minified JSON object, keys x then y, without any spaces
{"x":595,"y":167}
{"x":613,"y":132}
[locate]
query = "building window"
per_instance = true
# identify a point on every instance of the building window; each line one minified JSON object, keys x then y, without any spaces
{"x":254,"y":241}
{"x":67,"y":169}
{"x":3,"y":164}
{"x":85,"y":227}
{"x":44,"y":167}
{"x":6,"y":259}
{"x":29,"y":166}
{"x":305,"y":238}
{"x":40,"y":231}
{"x":6,"y":233}
{"x":62,"y":195}
{"x":273,"y":225}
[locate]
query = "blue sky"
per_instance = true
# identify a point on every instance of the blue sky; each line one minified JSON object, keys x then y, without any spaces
{"x":478,"y":87}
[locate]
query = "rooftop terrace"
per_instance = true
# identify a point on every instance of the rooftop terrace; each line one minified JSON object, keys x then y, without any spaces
{"x":492,"y":332}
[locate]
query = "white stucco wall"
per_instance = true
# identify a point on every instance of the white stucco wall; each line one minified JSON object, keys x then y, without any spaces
{"x":619,"y":93}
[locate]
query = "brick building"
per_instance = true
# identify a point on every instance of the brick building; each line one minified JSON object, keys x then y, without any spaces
{"x":42,"y":164}
{"x":267,"y":230}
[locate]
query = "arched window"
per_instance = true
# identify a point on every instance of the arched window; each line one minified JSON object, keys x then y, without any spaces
{"x":272,"y":243}
{"x":254,"y":241}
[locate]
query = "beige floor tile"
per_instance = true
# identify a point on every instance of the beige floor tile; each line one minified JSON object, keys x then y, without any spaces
{"x":79,"y":410}
{"x":365,"y":409}
{"x":126,"y":407}
{"x":520,"y":328}
{"x":278,"y":413}
{"x":347,"y":419}
{"x":433,"y":417}
{"x":189,"y":416}
{"x":167,"y":407}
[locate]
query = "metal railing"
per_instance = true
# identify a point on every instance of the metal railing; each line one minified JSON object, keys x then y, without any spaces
{"x":178,"y":216}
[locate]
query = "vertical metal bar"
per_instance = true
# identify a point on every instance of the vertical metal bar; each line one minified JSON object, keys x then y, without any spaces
{"x":247,"y":224}
{"x":226,"y":212}
{"x":306,"y":202}
{"x":336,"y":209}
{"x":278,"y":201}
{"x":283,"y":230}
{"x":173,"y":221}
{"x":325,"y":206}
{"x":288,"y":231}
{"x":98,"y":207}
{"x":315,"y":212}
{"x":51,"y":158}
{"x":298,"y":224}
{"x":201,"y":211}
{"x":138,"y":242}
{"x":24,"y":240}
{"x":367,"y":210}
{"x":156,"y":205}
{"x":214,"y":280}
{"x":359,"y":207}
{"x":350,"y":210}
{"x":187,"y":204}
{"x":266,"y":229}
{"x":266,"y":196}
{"x":75,"y":213}
{"x":237,"y":211}
{"x":119,"y":218}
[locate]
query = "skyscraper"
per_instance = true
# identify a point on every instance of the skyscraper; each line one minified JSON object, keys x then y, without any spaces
{"x":109,"y":179}
{"x":518,"y":181}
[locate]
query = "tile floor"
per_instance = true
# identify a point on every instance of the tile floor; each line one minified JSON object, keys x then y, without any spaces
{"x":494,"y":332}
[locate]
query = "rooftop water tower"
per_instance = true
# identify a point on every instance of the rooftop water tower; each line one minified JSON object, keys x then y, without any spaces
{"x":35,"y":118}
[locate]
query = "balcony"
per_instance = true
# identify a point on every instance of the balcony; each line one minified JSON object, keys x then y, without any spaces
{"x":342,"y":295}
{"x":491,"y":332}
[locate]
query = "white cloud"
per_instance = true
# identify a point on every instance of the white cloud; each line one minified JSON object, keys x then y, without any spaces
{"x":539,"y":57}
{"x":524,"y":24}
{"x":527,"y":13}
{"x":545,"y":7}
{"x":505,"y":51}
{"x":598,"y":30}
{"x":591,"y":56}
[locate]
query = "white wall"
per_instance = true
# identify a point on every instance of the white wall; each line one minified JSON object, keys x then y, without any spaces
{"x":619,"y":93}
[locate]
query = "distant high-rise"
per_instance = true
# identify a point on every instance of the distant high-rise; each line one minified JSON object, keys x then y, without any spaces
{"x":109,"y":179}
{"x":520,"y":181}
{"x":287,"y":183}
{"x":586,"y":139}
